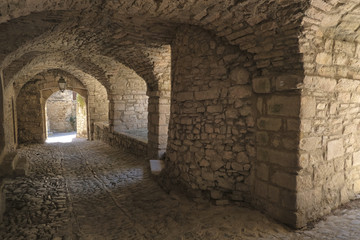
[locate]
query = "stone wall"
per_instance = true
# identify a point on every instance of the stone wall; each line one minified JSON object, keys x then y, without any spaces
{"x":277,"y":139}
{"x":2,"y":132}
{"x":29,"y":114}
{"x":211,"y":132}
{"x":81,"y":117}
{"x":330,"y":128}
{"x":61,"y":112}
{"x":10,"y":115}
{"x":117,"y":139}
{"x":32,"y":98}
{"x":131,"y":112}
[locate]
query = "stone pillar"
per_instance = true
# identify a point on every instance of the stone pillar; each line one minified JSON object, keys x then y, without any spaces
{"x":116,"y":113}
{"x":2,"y":134}
{"x":111,"y":115}
{"x":159,"y":110}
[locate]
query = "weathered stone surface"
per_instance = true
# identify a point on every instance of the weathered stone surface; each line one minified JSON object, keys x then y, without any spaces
{"x":356,"y":158}
{"x":308,"y":50}
{"x":308,"y":107}
{"x":335,"y":149}
{"x":324,"y":59}
{"x":240,"y":75}
{"x":311,"y":143}
{"x":261,"y":85}
{"x":287,"y":82}
{"x":284,"y":106}
{"x":284,"y":180}
{"x":239,"y":92}
{"x":285,"y":159}
{"x":272,"y":124}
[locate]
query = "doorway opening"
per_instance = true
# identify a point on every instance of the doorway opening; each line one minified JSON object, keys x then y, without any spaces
{"x":66,"y":117}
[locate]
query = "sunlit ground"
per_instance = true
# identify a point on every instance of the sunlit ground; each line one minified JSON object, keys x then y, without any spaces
{"x":61,"y":137}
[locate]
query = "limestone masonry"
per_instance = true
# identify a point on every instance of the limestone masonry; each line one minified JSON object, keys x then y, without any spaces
{"x":250,"y":103}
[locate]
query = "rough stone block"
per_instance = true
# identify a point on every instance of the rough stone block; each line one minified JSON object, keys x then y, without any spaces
{"x":335,"y":149}
{"x":308,"y":107}
{"x":22,"y":167}
{"x":356,"y":158}
{"x":239,"y":75}
{"x":261,"y":85}
{"x":282,"y":158}
{"x":206,"y":95}
{"x":242,"y":157}
{"x":232,"y":113}
{"x":262,"y":172}
{"x":304,"y":182}
{"x":2,"y":200}
{"x":293,"y":124}
{"x":225,"y":184}
{"x":324,"y":59}
{"x":237,"y":166}
{"x":287,"y":82}
{"x":259,"y":105}
{"x":215,"y":109}
{"x":347,"y":85}
{"x":346,"y":47}
{"x":215,"y":194}
{"x":284,"y":180}
{"x":322,"y":172}
{"x":262,"y":138}
{"x":240,"y":92}
{"x":324,"y":84}
{"x":184,"y":96}
{"x":216,"y":164}
{"x":310,"y":143}
{"x":284,"y":106}
{"x":357,"y":186}
{"x":261,"y":189}
{"x":207,"y":174}
{"x":274,"y":194}
{"x":271,"y":124}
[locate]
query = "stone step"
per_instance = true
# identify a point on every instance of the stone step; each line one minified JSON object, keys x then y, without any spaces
{"x":13,"y":166}
{"x":156,"y":166}
{"x":8,"y":165}
{"x":21,"y":168}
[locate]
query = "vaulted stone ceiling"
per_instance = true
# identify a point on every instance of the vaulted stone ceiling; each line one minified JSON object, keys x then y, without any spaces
{"x":137,"y":33}
{"x":134,"y":33}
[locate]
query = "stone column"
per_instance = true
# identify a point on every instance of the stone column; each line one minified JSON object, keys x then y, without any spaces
{"x":2,"y":134}
{"x":159,"y":109}
{"x":111,"y":114}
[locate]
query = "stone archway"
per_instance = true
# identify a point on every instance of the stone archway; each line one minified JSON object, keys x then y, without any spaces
{"x":31,"y":117}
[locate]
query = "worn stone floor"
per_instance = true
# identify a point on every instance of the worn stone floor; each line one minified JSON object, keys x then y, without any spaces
{"x":89,"y":190}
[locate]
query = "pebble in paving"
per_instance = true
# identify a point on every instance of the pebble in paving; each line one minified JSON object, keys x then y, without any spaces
{"x":89,"y":190}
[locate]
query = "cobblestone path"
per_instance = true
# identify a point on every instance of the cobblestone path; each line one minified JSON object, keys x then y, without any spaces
{"x":89,"y":190}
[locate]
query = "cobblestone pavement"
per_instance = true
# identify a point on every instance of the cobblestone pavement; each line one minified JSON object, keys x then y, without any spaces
{"x":88,"y":190}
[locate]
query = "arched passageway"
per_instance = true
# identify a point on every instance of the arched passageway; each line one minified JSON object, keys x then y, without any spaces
{"x":246,"y":102}
{"x":65,"y":112}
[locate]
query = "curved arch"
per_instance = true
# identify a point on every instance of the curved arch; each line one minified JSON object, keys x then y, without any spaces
{"x":45,"y":83}
{"x":86,"y":73}
{"x":139,"y":59}
{"x":254,"y":26}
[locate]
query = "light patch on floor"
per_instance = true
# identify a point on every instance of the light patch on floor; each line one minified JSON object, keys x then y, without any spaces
{"x":61,"y":137}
